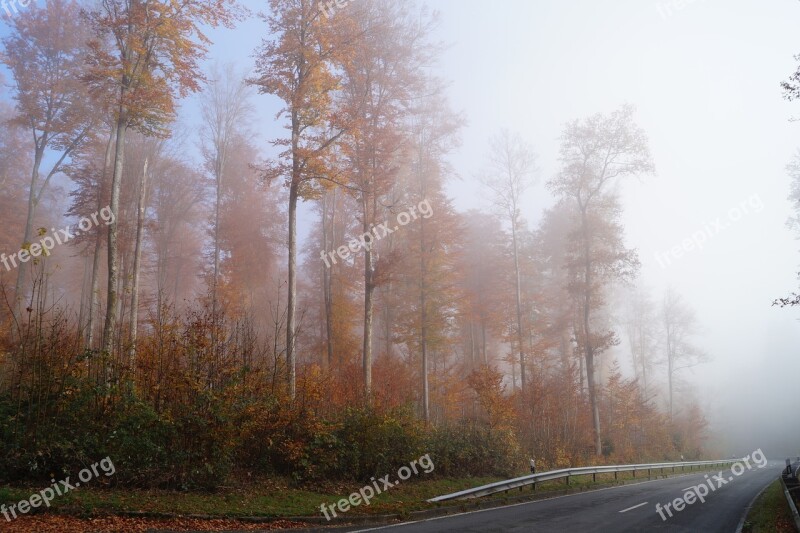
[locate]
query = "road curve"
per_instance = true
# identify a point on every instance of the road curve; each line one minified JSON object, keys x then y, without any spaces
{"x":624,"y":508}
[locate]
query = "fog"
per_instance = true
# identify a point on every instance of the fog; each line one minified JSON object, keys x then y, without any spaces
{"x":710,"y":224}
{"x":705,"y":81}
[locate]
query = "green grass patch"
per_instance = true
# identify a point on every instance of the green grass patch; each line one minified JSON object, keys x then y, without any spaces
{"x":280,"y":498}
{"x":274,"y":498}
{"x":770,"y":512}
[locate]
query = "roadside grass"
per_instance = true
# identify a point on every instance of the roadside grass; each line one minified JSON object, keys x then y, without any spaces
{"x":278,"y":498}
{"x":770,"y":513}
{"x":273,"y":498}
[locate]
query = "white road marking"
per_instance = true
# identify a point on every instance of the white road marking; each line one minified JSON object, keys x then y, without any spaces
{"x":634,"y":507}
{"x":533,"y":502}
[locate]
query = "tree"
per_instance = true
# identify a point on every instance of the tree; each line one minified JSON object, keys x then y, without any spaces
{"x":141,"y":209}
{"x":225,"y":113}
{"x":45,"y":53}
{"x":157,"y":47}
{"x":793,"y":223}
{"x":595,"y":153}
{"x":431,"y":251}
{"x":641,"y":325}
{"x":296,"y":64}
{"x":381,"y":80}
{"x":510,"y":174}
{"x":680,"y":326}
{"x":481,"y":258}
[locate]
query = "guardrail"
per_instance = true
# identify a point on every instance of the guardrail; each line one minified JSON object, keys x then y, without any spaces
{"x":790,"y":483}
{"x":532,"y":479}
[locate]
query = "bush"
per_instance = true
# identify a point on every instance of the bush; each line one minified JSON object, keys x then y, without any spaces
{"x":474,"y":450}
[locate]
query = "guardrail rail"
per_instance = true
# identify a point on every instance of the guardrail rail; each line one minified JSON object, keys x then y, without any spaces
{"x":532,"y":479}
{"x":790,"y":483}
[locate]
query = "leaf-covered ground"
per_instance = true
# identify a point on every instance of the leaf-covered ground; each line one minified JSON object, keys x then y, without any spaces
{"x":112,"y":524}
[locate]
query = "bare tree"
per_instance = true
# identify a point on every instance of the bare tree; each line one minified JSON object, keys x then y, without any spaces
{"x":512,"y":167}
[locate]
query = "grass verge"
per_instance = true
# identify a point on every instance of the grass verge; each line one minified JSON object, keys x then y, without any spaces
{"x":277,"y":498}
{"x":770,"y":513}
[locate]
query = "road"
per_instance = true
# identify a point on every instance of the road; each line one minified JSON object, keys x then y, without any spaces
{"x":623,"y":508}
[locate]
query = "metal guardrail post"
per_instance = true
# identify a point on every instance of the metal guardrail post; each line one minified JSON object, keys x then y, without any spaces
{"x":792,"y":506}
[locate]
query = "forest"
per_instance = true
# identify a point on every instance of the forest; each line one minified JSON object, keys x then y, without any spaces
{"x":202,"y":305}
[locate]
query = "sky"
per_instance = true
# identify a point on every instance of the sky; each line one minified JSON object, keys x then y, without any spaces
{"x":705,"y":80}
{"x":704,"y":76}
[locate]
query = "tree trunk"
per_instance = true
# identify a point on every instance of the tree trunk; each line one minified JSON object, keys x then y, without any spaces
{"x":32,"y":205}
{"x":94,"y":302}
{"x":215,"y":281}
{"x":589,"y":352}
{"x":137,"y":257}
{"x":369,"y":291}
{"x":670,"y":364}
{"x":328,"y":228}
{"x":424,"y":326}
{"x":518,"y":297}
{"x":291,"y":365}
{"x":113,"y":250}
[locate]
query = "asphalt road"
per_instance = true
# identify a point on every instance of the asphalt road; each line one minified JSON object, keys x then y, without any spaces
{"x":624,"y":508}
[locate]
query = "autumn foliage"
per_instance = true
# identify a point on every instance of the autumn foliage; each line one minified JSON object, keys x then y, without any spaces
{"x":229,"y":349}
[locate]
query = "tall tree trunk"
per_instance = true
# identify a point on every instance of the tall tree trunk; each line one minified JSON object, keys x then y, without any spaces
{"x":328,"y":228}
{"x":82,"y":312}
{"x":471,"y":344}
{"x":387,"y":320}
{"x":137,"y":258}
{"x":33,"y":201}
{"x":485,"y":356}
{"x":518,"y":298}
{"x":215,"y":281}
{"x":424,"y":326}
{"x":112,"y":300}
{"x":94,"y":301}
{"x":369,"y":291}
{"x":644,"y":364}
{"x":291,"y":365}
{"x":589,"y":351}
{"x":670,"y":366}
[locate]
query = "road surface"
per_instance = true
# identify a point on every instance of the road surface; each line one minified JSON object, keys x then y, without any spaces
{"x":624,"y":508}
